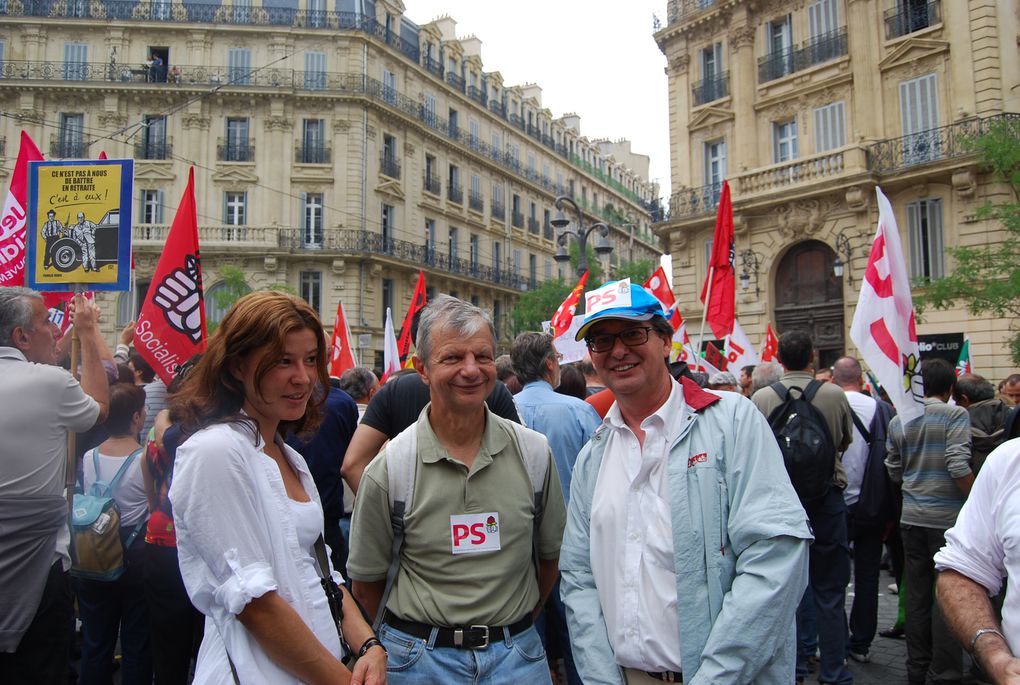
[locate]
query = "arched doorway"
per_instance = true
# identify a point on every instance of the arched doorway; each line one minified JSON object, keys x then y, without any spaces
{"x":809,"y":297}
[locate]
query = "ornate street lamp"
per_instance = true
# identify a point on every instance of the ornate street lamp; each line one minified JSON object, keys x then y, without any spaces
{"x":581,"y":232}
{"x":751,"y":262}
{"x":843,"y":249}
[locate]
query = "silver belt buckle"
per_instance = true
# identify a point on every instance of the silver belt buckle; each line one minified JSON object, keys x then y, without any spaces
{"x":485,"y":639}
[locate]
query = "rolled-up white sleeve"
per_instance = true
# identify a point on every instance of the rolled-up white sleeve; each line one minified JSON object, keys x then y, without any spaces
{"x":974,"y":545}
{"x":224,"y":543}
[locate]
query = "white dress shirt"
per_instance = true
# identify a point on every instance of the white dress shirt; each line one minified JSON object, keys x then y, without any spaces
{"x":632,"y":539}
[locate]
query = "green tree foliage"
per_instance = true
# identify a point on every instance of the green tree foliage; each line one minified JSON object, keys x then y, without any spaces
{"x":538,"y":305}
{"x":637,"y":271}
{"x":986,"y":278}
{"x":233,"y":286}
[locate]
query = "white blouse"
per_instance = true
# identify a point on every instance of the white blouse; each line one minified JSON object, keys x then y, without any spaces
{"x":237,"y":539}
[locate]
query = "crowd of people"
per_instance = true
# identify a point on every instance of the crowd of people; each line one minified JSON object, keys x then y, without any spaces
{"x":508,"y":519}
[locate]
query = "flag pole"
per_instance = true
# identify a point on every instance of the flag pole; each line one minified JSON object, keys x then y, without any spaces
{"x":70,"y":472}
{"x":704,"y":314}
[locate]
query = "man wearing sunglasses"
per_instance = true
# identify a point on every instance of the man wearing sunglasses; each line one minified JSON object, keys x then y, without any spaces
{"x":685,"y":551}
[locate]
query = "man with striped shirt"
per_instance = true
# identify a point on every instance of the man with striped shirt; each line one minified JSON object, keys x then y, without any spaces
{"x":930,"y":456}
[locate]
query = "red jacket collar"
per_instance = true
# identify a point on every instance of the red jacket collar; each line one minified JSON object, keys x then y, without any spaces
{"x":695,"y":396}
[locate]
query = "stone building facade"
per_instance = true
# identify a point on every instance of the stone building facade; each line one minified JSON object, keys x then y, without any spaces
{"x":805,"y":106}
{"x":338,"y":148}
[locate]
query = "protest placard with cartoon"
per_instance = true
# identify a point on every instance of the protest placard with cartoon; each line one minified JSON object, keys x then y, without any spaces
{"x":79,"y":224}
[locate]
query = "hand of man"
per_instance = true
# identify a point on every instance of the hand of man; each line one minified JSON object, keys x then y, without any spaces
{"x":1002,"y":667}
{"x":127,"y":336}
{"x":84,"y":314}
{"x":370,"y":669}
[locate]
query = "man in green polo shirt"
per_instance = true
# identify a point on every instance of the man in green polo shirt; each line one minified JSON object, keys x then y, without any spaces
{"x":477,"y":522}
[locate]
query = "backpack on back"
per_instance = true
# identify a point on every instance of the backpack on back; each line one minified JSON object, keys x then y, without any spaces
{"x":804,"y":440}
{"x":96,"y":549}
{"x":879,"y":501}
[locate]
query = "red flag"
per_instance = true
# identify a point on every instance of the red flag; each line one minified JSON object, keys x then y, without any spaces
{"x":770,"y":346}
{"x":564,"y":315}
{"x":171,"y":324}
{"x":719,"y":291}
{"x":417,"y":303}
{"x":342,"y":357}
{"x":12,"y":224}
{"x":658,"y":285}
{"x":714,"y":357}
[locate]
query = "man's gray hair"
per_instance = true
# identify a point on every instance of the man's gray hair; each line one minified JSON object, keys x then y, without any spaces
{"x":529,"y":354}
{"x":15,"y":310}
{"x":445,"y":311}
{"x":358,"y":382}
{"x":765,"y":374}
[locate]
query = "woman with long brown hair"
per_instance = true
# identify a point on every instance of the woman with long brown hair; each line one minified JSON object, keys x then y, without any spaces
{"x":246,"y":511}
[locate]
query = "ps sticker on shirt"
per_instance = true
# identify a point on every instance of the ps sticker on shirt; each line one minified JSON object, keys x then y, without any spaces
{"x":474,"y":533}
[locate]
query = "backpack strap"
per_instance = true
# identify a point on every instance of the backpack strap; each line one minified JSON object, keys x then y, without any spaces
{"x":860,"y":426}
{"x":121,"y":471}
{"x":401,"y":466}
{"x":534,"y":450}
{"x":811,"y":390}
{"x":781,"y":390}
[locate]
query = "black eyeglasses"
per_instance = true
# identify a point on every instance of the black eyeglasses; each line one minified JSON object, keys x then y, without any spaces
{"x":632,"y":337}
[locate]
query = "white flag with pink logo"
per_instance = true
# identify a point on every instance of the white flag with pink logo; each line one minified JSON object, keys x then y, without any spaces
{"x":883,"y":328}
{"x":739,"y":351}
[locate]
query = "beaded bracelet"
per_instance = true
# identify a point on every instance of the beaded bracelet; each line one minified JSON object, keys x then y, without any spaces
{"x":984,"y":631}
{"x":369,"y":644}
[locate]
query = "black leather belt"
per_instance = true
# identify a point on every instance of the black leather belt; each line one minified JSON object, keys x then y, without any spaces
{"x":666,"y":676}
{"x":467,"y":637}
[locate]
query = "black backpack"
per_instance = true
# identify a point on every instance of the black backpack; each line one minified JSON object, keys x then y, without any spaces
{"x":879,"y":501}
{"x":805,"y":441}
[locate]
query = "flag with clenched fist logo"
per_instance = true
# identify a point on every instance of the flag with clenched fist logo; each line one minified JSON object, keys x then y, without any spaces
{"x":171,"y":324}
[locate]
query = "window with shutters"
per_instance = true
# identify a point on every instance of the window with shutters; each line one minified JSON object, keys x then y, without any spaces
{"x":235,"y":215}
{"x":430,"y":242}
{"x":474,"y":252}
{"x":239,"y":66}
{"x":313,"y":142}
{"x":311,"y":220}
{"x":830,"y":127}
{"x":784,"y":141}
{"x":387,"y":298}
{"x":236,"y":147}
{"x":389,"y":86}
{"x":779,"y":36}
{"x":311,"y":289}
{"x":924,"y":227}
{"x":919,"y":114}
{"x":316,"y":14}
{"x":315,"y":70}
{"x":715,"y":170}
{"x":71,"y":142}
{"x":388,"y":220}
{"x":76,"y":61}
{"x":152,"y":207}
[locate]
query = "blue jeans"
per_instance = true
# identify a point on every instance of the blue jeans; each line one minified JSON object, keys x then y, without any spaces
{"x":109,"y":607}
{"x":829,"y":570}
{"x":506,"y":661}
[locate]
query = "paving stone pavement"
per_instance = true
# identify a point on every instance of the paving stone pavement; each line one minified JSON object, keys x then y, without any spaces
{"x":888,"y":664}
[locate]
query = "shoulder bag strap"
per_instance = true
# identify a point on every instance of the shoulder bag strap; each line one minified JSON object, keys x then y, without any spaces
{"x":401,"y":467}
{"x":860,"y":426}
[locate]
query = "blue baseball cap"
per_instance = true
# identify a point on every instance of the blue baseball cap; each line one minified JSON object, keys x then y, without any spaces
{"x":618,"y":300}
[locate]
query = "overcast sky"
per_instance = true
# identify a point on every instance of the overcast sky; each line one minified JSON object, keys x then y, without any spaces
{"x":596,"y":58}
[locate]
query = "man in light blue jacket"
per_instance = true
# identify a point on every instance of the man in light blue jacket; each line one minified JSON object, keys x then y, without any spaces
{"x":685,"y":551}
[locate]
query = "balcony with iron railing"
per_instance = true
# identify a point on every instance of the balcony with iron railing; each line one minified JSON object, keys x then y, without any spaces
{"x":497,"y":108}
{"x":517,"y":219}
{"x":476,"y":202}
{"x":69,"y":149}
{"x":266,"y":239}
{"x":433,"y":66}
{"x":477,"y":94}
{"x":432,"y":185}
{"x":821,"y":49}
{"x":547,"y":230}
{"x":899,"y":154}
{"x":497,"y":210}
{"x":235,"y":152}
{"x":389,"y":166}
{"x":533,"y":225}
{"x":714,"y":87}
{"x":153,"y":150}
{"x":454,"y":193}
{"x":908,"y":17}
{"x":678,"y":11}
{"x":312,"y":154}
{"x":455,"y":80}
{"x":16,"y":73}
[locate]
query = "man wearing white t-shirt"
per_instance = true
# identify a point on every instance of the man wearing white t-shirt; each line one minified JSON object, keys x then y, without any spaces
{"x":864,"y":528}
{"x":981,"y":553}
{"x":41,"y":403}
